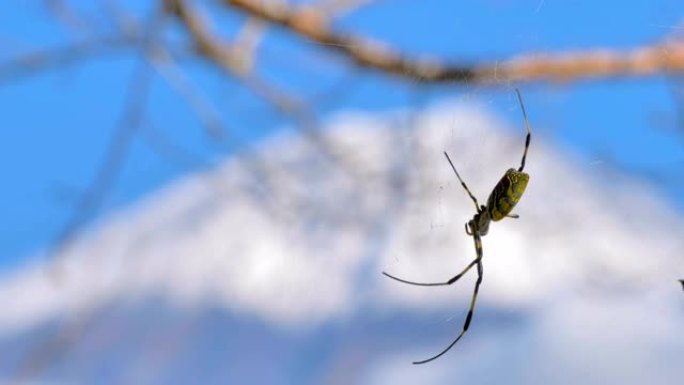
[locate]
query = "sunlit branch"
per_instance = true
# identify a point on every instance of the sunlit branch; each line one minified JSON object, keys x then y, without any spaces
{"x":594,"y":63}
{"x":340,"y":7}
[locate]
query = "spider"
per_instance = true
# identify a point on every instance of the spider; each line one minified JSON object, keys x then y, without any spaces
{"x":501,"y":201}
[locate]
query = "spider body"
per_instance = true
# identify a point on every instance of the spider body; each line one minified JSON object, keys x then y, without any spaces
{"x":500,"y":203}
{"x":506,"y":194}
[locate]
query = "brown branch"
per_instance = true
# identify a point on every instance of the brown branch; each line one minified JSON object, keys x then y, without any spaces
{"x":313,"y":25}
{"x":227,"y":58}
{"x":248,"y":39}
{"x":224,"y":55}
{"x":65,"y":13}
{"x":643,"y":61}
{"x":177,"y":79}
{"x":230,"y":62}
{"x":89,"y":203}
{"x":166,"y":148}
{"x":57,"y":344}
{"x":208,"y":115}
{"x":119,"y":147}
{"x":35,"y":62}
{"x":339,"y":7}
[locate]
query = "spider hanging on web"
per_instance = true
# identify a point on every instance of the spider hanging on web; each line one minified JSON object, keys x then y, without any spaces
{"x":501,"y":201}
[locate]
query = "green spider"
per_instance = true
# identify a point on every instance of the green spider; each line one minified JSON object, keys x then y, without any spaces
{"x":503,"y":198}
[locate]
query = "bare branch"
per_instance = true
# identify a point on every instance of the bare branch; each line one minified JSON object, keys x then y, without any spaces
{"x":224,"y":55}
{"x":166,"y":148}
{"x":33,"y":63}
{"x":313,"y":25}
{"x":340,"y":7}
{"x":57,"y":344}
{"x":248,"y":39}
{"x":66,"y":14}
{"x":90,"y":202}
{"x":131,"y":120}
{"x":206,"y":112}
{"x":643,"y":61}
{"x":227,"y":59}
{"x":165,"y":65}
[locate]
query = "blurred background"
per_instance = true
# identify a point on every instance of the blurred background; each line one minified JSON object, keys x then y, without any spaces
{"x":207,"y":192}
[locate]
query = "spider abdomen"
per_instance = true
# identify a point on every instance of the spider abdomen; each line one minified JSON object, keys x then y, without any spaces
{"x":506,"y":194}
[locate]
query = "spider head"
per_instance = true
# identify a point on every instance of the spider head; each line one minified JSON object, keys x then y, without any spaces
{"x":480,"y":222}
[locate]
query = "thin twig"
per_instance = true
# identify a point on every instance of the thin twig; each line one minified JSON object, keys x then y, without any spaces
{"x":117,"y":152}
{"x":87,"y":206}
{"x":65,"y":13}
{"x":167,"y":148}
{"x":37,"y":62}
{"x":91,"y":200}
{"x":169,"y":70}
{"x":225,"y":58}
{"x":57,"y":344}
{"x":207,"y":114}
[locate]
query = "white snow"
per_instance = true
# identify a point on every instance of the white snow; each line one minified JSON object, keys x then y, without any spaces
{"x":309,"y":246}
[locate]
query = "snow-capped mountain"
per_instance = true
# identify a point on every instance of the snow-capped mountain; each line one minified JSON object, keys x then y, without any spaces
{"x":266,"y":270}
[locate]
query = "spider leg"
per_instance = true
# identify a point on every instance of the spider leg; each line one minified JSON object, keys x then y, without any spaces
{"x":514,"y":216}
{"x":449,"y":282}
{"x":477,"y":205}
{"x":473,"y":301}
{"x":529,"y":132}
{"x":468,"y":230}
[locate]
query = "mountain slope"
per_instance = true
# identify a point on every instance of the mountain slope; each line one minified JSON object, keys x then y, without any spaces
{"x":228,"y":277}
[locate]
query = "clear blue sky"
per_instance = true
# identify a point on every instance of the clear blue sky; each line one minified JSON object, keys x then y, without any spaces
{"x":55,"y":126}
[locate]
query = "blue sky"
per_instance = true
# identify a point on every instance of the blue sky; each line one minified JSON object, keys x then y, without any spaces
{"x":57,"y":124}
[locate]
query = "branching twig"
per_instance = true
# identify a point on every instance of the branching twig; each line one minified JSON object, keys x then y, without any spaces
{"x":228,"y":61}
{"x":169,"y":70}
{"x":54,"y":346}
{"x":207,"y":114}
{"x":313,"y":25}
{"x":117,"y":152}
